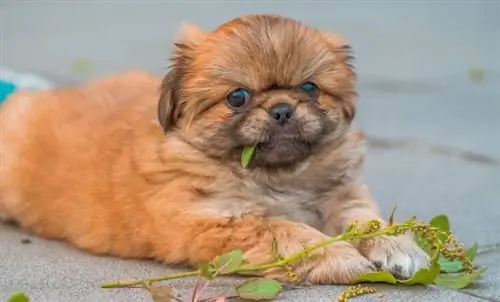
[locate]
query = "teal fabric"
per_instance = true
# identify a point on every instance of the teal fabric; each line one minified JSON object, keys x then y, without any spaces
{"x":6,"y":88}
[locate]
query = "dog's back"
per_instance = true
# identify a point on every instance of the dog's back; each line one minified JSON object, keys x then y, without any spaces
{"x":55,"y":141}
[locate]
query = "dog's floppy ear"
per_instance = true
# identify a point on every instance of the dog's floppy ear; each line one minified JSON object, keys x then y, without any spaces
{"x":170,"y":106}
{"x":343,"y":52}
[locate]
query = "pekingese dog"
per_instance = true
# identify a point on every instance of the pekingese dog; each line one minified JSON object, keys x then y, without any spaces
{"x":142,"y":167}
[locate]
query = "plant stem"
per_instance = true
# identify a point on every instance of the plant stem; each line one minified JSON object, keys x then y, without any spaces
{"x":294,"y":257}
{"x":297,"y":256}
{"x":129,"y":283}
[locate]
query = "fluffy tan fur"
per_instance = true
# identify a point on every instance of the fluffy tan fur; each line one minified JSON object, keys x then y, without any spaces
{"x":139,"y":167}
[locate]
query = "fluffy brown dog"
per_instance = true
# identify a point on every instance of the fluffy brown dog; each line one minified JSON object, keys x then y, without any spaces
{"x":122,"y":167}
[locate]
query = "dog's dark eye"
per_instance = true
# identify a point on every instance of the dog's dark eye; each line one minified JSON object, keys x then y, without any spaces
{"x":308,"y":86}
{"x":238,"y":98}
{"x":311,"y":89}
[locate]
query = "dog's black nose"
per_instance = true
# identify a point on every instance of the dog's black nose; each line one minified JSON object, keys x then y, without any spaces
{"x":281,"y":112}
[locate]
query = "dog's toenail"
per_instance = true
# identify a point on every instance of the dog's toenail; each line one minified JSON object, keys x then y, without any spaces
{"x":378,"y":264}
{"x":397,"y":271}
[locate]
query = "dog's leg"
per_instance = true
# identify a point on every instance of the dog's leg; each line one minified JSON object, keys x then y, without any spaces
{"x":189,"y":238}
{"x":398,"y":254}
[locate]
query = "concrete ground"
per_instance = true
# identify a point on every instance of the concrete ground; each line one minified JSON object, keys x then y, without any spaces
{"x":418,"y":63}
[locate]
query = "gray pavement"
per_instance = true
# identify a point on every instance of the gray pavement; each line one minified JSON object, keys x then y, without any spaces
{"x":416,"y":95}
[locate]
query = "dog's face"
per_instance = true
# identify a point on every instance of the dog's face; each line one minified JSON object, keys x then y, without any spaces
{"x":259,"y":80}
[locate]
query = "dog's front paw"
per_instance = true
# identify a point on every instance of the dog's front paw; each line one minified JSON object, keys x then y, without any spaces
{"x":341,"y":264}
{"x":399,"y":255}
{"x":336,"y":263}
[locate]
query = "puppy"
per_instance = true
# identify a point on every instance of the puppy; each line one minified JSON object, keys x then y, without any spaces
{"x":142,"y":167}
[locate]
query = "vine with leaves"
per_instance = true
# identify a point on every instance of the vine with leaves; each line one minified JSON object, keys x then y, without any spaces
{"x":451,"y":266}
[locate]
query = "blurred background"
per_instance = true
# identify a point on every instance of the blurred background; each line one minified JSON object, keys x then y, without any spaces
{"x":429,"y":73}
{"x":437,"y":59}
{"x":429,"y":100}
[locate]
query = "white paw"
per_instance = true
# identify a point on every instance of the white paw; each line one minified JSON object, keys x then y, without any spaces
{"x":400,"y":255}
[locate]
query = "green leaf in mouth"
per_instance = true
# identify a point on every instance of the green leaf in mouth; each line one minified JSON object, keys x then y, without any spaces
{"x":246,"y":155}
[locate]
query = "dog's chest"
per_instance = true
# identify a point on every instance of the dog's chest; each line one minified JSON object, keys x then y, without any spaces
{"x":294,"y":204}
{"x":272,"y":201}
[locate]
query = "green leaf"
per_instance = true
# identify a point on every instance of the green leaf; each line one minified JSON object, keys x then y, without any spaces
{"x":448,"y":266}
{"x":18,"y":297}
{"x":423,"y":276}
{"x":259,"y":289}
{"x":458,"y":281}
{"x":228,"y":262}
{"x":204,"y":268}
{"x":246,"y":155}
{"x":471,"y":252}
{"x":457,"y":266}
{"x":384,"y":277}
{"x":442,"y":222}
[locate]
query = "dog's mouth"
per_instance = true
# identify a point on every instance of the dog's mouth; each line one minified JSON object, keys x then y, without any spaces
{"x":280,"y":150}
{"x":282,"y":153}
{"x":280,"y":146}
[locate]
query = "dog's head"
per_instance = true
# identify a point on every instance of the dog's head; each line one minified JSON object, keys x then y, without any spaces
{"x":259,"y":80}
